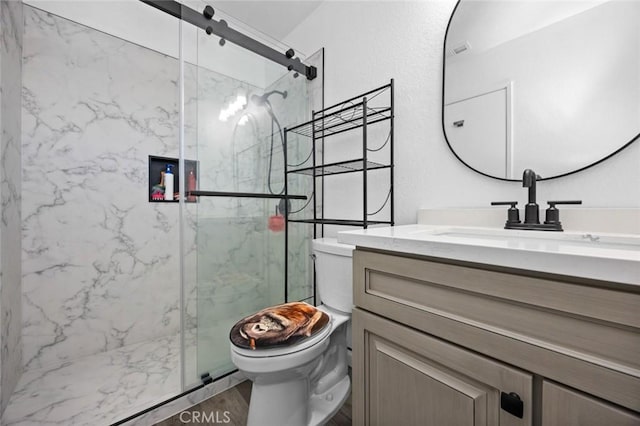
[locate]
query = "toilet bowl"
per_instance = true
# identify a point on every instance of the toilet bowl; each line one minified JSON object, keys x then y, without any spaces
{"x":306,"y":382}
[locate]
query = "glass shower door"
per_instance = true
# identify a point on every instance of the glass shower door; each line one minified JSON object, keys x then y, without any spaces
{"x":236,"y":106}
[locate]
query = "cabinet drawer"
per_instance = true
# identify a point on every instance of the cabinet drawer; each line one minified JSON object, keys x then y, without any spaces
{"x":539,"y":324}
{"x":562,"y":406}
{"x":405,"y":377}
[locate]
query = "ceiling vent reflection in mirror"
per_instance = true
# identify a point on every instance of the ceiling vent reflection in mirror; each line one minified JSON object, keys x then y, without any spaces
{"x":462,"y":48}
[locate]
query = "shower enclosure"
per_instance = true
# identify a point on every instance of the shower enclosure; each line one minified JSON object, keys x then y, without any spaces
{"x":234,"y":128}
{"x":127,"y":301}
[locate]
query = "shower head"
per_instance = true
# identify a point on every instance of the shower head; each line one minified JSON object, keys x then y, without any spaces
{"x":264,"y":98}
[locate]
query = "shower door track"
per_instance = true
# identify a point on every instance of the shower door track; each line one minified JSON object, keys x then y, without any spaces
{"x":173,"y":398}
{"x":221,"y":29}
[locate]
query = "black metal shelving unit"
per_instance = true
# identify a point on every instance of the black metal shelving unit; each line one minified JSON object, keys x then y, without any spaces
{"x":359,"y":112}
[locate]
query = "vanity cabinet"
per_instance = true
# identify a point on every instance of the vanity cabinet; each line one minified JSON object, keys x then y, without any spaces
{"x":416,"y":379}
{"x":567,"y":407}
{"x":439,"y":342}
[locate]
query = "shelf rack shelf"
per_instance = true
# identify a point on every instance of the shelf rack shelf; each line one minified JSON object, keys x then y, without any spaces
{"x":343,"y":120}
{"x":348,"y":166}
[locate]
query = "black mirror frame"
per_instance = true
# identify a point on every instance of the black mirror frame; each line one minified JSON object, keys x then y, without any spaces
{"x":444,"y":132}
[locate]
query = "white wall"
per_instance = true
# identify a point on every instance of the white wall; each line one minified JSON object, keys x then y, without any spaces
{"x":369,"y":42}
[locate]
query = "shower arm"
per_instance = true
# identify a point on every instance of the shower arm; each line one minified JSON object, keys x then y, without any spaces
{"x":222,"y":30}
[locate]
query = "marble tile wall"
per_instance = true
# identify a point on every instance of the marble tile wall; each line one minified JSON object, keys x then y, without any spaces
{"x":11,"y":30}
{"x":100,"y":263}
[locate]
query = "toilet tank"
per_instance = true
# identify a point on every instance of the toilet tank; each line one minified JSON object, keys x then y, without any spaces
{"x":334,"y":276}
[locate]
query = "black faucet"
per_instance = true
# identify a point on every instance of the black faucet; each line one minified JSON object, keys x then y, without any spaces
{"x":531,"y":210}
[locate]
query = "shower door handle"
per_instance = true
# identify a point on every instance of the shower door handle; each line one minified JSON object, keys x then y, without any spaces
{"x":245,"y":195}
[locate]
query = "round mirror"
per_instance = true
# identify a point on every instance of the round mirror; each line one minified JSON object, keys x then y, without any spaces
{"x":552,"y":86}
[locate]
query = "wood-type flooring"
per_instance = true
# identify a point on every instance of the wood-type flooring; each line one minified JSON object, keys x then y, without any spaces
{"x":231,"y":408}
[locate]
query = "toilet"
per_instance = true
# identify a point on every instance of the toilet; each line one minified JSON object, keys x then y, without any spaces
{"x":306,"y":383}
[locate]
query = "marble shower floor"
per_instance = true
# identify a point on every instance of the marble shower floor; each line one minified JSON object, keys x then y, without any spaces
{"x":99,"y":389}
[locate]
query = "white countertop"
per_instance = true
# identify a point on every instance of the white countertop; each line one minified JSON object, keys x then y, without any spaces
{"x":601,"y":256}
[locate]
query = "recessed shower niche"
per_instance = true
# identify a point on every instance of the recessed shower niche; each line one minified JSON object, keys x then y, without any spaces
{"x":161,"y":170}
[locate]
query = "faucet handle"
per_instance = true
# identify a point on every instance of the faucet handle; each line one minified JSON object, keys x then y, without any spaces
{"x":513,"y":204}
{"x":513,"y":215}
{"x":553,"y":203}
{"x":552,"y":216}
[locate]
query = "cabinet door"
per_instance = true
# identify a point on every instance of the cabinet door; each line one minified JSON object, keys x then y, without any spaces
{"x":562,"y":406}
{"x":405,"y":377}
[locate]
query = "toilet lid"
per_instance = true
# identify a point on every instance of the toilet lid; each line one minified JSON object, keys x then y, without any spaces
{"x":281,"y":326}
{"x":278,"y":351}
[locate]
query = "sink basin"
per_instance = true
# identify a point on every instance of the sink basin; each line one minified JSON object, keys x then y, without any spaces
{"x":547,"y":238}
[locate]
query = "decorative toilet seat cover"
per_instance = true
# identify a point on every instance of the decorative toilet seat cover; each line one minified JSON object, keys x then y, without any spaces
{"x":279,"y":325}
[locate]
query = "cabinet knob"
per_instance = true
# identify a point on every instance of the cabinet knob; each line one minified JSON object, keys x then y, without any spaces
{"x":512,"y":404}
